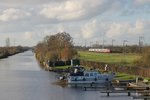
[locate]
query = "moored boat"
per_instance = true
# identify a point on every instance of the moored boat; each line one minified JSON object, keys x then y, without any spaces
{"x":78,"y":75}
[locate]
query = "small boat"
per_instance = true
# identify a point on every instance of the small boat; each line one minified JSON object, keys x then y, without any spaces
{"x":78,"y":75}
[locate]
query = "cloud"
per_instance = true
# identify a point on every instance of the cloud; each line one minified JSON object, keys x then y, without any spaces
{"x":127,"y":28}
{"x":27,"y":2}
{"x":28,"y":35}
{"x":75,"y":10}
{"x":133,"y":7}
{"x":84,"y":19}
{"x":114,"y":29}
{"x":89,"y":29}
{"x":13,"y":14}
{"x":141,"y":2}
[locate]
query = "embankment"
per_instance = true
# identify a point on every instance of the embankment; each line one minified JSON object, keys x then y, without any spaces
{"x":9,"y":51}
{"x":134,"y":70}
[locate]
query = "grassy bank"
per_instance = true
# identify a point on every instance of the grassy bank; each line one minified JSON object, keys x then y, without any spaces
{"x":126,"y":59}
{"x":61,"y":67}
{"x":110,"y":58}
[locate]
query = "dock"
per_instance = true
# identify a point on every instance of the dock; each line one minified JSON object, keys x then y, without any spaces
{"x":141,"y":97}
{"x":133,"y":90}
{"x":124,"y":91}
{"x":143,"y":91}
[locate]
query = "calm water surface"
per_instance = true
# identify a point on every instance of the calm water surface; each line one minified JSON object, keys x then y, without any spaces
{"x":22,"y":79}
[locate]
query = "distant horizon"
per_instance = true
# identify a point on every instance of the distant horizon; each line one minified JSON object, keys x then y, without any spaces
{"x":27,"y":22}
{"x":88,"y":43}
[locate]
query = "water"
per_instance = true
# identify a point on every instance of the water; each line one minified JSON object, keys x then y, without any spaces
{"x":21,"y":78}
{"x":22,"y":61}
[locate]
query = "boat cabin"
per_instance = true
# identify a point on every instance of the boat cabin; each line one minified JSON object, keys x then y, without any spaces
{"x":76,"y":71}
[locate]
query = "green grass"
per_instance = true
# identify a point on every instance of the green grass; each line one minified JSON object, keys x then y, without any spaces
{"x":61,"y":67}
{"x":111,"y":58}
{"x":124,"y":76}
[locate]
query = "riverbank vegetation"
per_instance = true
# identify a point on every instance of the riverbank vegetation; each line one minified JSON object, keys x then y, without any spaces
{"x":144,"y":61}
{"x":8,"y":51}
{"x":58,"y":47}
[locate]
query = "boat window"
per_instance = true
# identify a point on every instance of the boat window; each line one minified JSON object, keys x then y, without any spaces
{"x":95,"y":74}
{"x":87,"y":74}
{"x":91,"y":74}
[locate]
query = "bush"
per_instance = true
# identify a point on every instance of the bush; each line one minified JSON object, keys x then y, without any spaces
{"x":145,"y":59}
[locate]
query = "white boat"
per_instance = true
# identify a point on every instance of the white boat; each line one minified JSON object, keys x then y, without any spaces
{"x":78,"y":75}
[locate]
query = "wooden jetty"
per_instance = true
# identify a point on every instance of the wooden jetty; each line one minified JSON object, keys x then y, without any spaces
{"x":129,"y":88}
{"x":141,"y":97}
{"x":112,"y":85}
{"x":117,"y":91}
{"x":85,"y":88}
{"x":142,"y":90}
{"x":123,"y":91}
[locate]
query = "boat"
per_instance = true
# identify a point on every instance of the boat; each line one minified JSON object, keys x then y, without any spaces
{"x":78,"y":75}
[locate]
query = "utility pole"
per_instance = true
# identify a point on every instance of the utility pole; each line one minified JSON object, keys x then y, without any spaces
{"x":14,"y":42}
{"x":103,"y":44}
{"x":97,"y":44}
{"x":124,"y":43}
{"x":85,"y":43}
{"x":91,"y":44}
{"x":7,"y":42}
{"x":141,"y":38}
{"x":113,"y":42}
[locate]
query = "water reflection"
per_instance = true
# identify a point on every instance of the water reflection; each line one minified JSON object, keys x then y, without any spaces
{"x":22,"y":61}
{"x":22,"y":79}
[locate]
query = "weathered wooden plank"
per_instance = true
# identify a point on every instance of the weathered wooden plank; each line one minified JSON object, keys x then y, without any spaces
{"x":124,"y":91}
{"x":118,"y":91}
{"x":141,"y":97}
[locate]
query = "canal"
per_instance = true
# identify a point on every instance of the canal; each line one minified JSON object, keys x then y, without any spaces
{"x":21,"y":78}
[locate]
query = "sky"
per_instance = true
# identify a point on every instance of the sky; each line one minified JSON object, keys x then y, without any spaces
{"x":27,"y":22}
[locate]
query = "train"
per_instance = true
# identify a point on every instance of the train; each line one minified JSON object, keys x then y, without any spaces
{"x":100,"y":50}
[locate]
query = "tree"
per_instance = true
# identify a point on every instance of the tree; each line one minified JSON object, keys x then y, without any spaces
{"x":66,"y":53}
{"x":51,"y":56}
{"x":56,"y":47}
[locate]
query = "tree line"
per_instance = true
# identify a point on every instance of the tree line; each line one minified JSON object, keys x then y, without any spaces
{"x":8,"y":51}
{"x":117,"y":49}
{"x":58,"y":47}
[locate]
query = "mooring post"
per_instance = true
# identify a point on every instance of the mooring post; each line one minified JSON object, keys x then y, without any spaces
{"x":147,"y":88}
{"x":108,"y":94}
{"x":145,"y":98}
{"x":107,"y":88}
{"x":84,"y":88}
{"x":75,"y":85}
{"x":129,"y":94}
